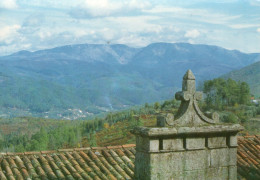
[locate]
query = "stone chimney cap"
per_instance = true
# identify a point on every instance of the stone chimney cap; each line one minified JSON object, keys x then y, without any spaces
{"x":189,"y":113}
{"x":189,"y":75}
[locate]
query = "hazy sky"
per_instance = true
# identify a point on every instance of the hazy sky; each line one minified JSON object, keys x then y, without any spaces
{"x":39,"y":24}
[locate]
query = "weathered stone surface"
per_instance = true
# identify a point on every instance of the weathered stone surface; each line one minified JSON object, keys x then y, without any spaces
{"x":189,"y":113}
{"x":232,"y":156}
{"x":163,"y":118}
{"x":192,"y":147}
{"x":219,"y":157}
{"x":165,"y":131}
{"x":195,"y":174}
{"x":142,"y":166}
{"x":175,"y":144}
{"x":232,"y":141}
{"x":161,"y":122}
{"x":146,"y":144}
{"x":217,"y":142}
{"x":168,"y":162}
{"x":232,"y":172}
{"x":219,"y":173}
{"x":195,"y":160}
{"x":195,"y":143}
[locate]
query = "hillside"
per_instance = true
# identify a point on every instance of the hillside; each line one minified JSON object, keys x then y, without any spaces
{"x":249,"y":74}
{"x":79,"y":81}
{"x":35,"y":134}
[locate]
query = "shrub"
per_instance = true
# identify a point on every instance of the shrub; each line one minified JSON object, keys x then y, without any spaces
{"x":230,"y":118}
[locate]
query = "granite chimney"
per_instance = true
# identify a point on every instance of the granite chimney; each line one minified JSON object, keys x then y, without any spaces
{"x":188,"y":145}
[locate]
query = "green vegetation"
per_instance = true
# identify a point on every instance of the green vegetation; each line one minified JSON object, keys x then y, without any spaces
{"x":232,"y":100}
{"x":93,"y":79}
{"x":249,"y":74}
{"x":221,"y":93}
{"x":229,"y":98}
{"x":35,"y":134}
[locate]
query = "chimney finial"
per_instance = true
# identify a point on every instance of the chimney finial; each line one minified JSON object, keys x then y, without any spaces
{"x":189,"y":113}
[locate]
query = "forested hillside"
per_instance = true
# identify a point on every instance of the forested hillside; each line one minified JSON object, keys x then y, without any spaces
{"x":34,"y":134}
{"x":249,"y":74}
{"x":80,"y":81}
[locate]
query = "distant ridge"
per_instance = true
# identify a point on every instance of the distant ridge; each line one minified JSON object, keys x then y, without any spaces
{"x":249,"y":74}
{"x":76,"y":81}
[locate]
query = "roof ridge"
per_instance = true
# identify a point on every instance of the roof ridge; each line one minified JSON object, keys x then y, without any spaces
{"x":249,"y":136}
{"x":65,"y":150}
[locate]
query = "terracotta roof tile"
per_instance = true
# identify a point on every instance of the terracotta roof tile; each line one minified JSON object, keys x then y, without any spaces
{"x":65,"y":150}
{"x":248,"y":157}
{"x":47,"y":152}
{"x":128,"y":145}
{"x":32,"y":153}
{"x":98,"y":148}
{"x":82,"y":149}
{"x":111,"y":162}
{"x":114,"y":147}
{"x":10,"y":153}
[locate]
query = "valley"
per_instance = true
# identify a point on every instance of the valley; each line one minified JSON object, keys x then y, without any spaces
{"x":84,"y":80}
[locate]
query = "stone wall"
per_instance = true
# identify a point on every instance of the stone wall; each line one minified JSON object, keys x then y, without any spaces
{"x":189,"y":146}
{"x":186,"y":157}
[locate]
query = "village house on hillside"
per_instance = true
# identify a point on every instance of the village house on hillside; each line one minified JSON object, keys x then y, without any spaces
{"x":188,"y":145}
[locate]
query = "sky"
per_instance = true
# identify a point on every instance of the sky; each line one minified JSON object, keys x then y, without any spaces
{"x":41,"y":24}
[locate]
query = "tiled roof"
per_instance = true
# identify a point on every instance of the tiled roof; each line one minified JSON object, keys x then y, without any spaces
{"x":111,"y":162}
{"x":248,"y":157}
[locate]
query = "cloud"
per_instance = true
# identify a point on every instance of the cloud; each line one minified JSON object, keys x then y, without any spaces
{"x":8,"y":4}
{"x":254,"y":2}
{"x":242,"y":26}
{"x":35,"y":19}
{"x":192,"y":33}
{"x":7,"y":32}
{"x":32,"y":23}
{"x":105,"y":8}
{"x":38,"y":24}
{"x":192,"y":14}
{"x":10,"y":39}
{"x":63,"y":4}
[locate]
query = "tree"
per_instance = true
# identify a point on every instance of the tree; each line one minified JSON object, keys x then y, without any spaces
{"x":244,"y":93}
{"x":157,"y":105}
{"x":92,"y":140}
{"x":146,"y":105}
{"x":220,"y":92}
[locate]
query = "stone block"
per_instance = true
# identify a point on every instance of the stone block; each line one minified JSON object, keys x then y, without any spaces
{"x":146,"y":144}
{"x":195,"y":143}
{"x":219,"y":157}
{"x":154,"y":145}
{"x":195,"y":160}
{"x":142,"y":143}
{"x":232,"y":156}
{"x":217,"y":173}
{"x":166,"y":162}
{"x":170,"y":176}
{"x":194,"y":175}
{"x":173,"y":144}
{"x":142,"y":166}
{"x":232,"y":141}
{"x":232,"y":171}
{"x":161,"y":121}
{"x":217,"y":142}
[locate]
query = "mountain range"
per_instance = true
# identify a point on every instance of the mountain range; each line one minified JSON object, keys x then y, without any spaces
{"x":77,"y":81}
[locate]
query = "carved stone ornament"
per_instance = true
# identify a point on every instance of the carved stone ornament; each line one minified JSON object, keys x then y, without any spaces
{"x":189,"y":113}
